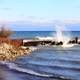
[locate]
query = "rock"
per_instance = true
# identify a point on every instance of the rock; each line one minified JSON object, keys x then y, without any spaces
{"x":9,"y":52}
{"x":59,"y":43}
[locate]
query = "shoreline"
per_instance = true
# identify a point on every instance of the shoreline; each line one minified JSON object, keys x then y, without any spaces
{"x":10,"y":49}
{"x":9,"y":52}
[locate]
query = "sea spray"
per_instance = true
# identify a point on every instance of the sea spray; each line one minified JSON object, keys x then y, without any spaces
{"x":60,"y":35}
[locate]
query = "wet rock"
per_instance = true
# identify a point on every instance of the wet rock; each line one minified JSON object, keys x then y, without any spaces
{"x":53,"y":43}
{"x":59,"y":43}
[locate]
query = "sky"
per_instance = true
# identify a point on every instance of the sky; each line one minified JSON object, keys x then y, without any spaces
{"x":39,"y":14}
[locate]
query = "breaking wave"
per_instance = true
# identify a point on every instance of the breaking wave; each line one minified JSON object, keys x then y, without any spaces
{"x":44,"y":38}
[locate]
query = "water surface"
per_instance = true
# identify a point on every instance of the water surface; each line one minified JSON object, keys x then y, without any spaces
{"x":47,"y":63}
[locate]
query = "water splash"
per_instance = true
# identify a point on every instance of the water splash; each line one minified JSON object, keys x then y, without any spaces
{"x":59,"y":33}
{"x":61,"y":37}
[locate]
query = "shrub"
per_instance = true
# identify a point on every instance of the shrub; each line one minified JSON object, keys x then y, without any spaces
{"x":5,"y":32}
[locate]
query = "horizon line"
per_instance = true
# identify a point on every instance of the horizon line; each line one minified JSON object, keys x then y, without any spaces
{"x":39,"y":21}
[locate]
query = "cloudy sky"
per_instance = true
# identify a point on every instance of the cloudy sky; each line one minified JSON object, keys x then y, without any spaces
{"x":39,"y":12}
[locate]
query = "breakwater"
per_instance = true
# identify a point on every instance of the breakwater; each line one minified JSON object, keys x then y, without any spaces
{"x":75,"y":40}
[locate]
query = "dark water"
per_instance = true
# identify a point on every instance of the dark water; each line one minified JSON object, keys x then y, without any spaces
{"x":47,"y":63}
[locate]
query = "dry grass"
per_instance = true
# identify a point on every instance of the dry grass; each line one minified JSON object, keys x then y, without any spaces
{"x":5,"y":32}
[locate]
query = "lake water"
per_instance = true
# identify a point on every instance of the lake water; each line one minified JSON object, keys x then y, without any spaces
{"x":46,"y":63}
{"x":33,"y":34}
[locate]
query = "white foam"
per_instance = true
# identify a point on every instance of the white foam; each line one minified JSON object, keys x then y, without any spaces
{"x":15,"y":67}
{"x":45,"y":38}
{"x":61,"y":37}
{"x":67,"y":46}
{"x":65,"y":43}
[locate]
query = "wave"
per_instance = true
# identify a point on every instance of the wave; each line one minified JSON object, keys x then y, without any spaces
{"x":15,"y":67}
{"x":44,"y":38}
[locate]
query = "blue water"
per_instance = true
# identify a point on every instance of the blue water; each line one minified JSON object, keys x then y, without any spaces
{"x":33,"y":34}
{"x":46,"y":63}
